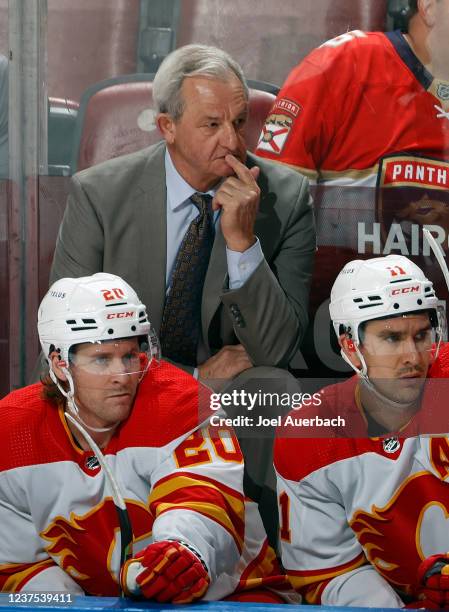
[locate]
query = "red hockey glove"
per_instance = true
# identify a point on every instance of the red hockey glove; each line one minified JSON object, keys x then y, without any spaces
{"x":166,"y":571}
{"x":433,"y":580}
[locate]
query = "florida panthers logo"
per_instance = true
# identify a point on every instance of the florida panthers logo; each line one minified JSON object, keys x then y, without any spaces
{"x":87,"y":546}
{"x":397,"y":537}
{"x":275,"y":132}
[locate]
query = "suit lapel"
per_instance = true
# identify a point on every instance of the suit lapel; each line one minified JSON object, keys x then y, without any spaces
{"x":151,"y":200}
{"x":264,"y":227}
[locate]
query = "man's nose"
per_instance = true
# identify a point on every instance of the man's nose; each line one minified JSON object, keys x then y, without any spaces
{"x":118,"y":368}
{"x":410,"y":352}
{"x":229,"y":138}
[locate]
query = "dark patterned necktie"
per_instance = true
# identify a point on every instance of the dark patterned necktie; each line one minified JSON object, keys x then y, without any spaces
{"x":181,"y":319}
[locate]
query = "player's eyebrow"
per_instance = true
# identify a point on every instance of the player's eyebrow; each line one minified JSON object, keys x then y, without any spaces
{"x":427,"y":327}
{"x":109,"y":353}
{"x":385,"y":333}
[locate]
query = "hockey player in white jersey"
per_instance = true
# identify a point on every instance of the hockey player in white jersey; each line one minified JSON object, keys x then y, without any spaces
{"x":112,"y":479}
{"x":364,"y":504}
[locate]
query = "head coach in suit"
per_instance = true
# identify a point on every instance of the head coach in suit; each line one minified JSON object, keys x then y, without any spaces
{"x":133,"y":215}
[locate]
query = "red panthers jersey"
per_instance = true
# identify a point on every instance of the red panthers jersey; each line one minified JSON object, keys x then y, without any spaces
{"x":353,"y":101}
{"x":364,"y":120}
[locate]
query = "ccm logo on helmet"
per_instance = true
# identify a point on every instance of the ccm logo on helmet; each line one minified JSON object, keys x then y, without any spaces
{"x":120,"y":315}
{"x":405,"y":290}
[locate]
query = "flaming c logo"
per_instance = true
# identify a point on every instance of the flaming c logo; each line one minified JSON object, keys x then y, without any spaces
{"x":83,"y":546}
{"x":393,"y":536}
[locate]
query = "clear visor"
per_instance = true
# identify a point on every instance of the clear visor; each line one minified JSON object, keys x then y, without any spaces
{"x":411,"y":336}
{"x":123,"y":357}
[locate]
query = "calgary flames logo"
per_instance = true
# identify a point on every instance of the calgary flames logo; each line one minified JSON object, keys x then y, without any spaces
{"x":84,"y":546}
{"x":393,"y":537}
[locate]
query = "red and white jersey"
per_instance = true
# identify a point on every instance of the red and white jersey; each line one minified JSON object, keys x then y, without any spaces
{"x":59,"y":529}
{"x":356,"y":100}
{"x":359,"y":514}
{"x":364,"y":120}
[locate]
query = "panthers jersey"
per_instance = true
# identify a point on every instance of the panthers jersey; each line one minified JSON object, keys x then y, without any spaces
{"x":360,"y":112}
{"x":354,"y":102}
{"x":369,"y":125}
{"x":181,"y":479}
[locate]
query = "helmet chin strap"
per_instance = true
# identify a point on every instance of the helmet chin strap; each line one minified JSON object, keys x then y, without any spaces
{"x":70,"y":396}
{"x":362,"y":373}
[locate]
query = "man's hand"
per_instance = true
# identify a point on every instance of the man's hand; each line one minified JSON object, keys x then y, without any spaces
{"x":238,"y":197}
{"x":166,"y":572}
{"x":230,"y":361}
{"x":433,"y":581}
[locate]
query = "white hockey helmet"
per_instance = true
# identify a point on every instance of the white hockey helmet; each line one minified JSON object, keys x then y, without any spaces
{"x":378,"y":288}
{"x":92,"y":309}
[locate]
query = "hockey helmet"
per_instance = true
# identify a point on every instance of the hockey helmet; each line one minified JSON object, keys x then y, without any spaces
{"x":94,"y":309}
{"x":380,"y":288}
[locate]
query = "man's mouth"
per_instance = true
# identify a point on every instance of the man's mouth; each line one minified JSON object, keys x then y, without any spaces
{"x":235,"y":154}
{"x":411,"y":375}
{"x":121,"y":394}
{"x":412,"y":379}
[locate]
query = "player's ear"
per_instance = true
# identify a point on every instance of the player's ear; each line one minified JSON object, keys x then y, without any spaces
{"x":348,"y":347}
{"x":57,"y":366}
{"x":167,"y":127}
{"x":426,"y":9}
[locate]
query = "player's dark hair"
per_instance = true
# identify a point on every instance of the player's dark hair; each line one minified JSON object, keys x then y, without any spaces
{"x":50,"y":391}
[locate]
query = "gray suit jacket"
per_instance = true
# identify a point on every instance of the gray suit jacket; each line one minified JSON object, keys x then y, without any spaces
{"x":115,"y":221}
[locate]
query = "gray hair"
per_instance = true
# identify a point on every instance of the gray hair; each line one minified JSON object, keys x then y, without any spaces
{"x":189,"y":61}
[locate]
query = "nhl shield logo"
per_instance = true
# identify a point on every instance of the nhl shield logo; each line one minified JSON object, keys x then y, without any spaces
{"x":92,"y":463}
{"x":391,"y":445}
{"x":443,"y":91}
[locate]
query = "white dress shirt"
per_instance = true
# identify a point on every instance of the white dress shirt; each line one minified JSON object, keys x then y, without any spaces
{"x":180,"y":213}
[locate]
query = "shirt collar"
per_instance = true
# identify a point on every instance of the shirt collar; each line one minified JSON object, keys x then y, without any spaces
{"x":407,"y":55}
{"x":178,"y":190}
